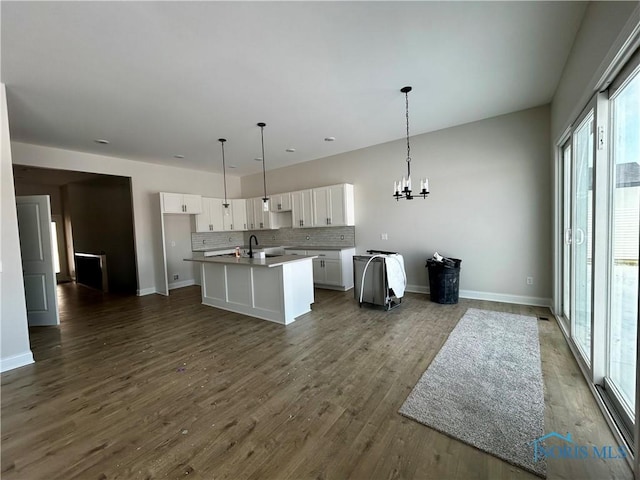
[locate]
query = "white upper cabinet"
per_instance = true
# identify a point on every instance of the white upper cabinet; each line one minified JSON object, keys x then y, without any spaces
{"x":180,"y":203}
{"x":302,"y":209}
{"x":280,"y":202}
{"x":333,"y":206}
{"x":203,"y":220}
{"x":321,"y":206}
{"x":227,"y":215}
{"x":211,"y":218}
{"x":216,"y":218}
{"x":239,"y":214}
{"x":257,"y":218}
{"x":261,"y":218}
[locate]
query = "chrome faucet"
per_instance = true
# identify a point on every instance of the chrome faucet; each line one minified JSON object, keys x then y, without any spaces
{"x":250,"y":245}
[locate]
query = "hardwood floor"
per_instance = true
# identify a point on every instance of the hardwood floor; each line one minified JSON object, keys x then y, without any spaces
{"x":163,"y":387}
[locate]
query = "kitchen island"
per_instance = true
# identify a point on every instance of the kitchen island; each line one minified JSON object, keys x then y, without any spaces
{"x":278,"y":289}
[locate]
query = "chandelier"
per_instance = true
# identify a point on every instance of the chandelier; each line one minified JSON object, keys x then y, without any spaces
{"x":402,"y":188}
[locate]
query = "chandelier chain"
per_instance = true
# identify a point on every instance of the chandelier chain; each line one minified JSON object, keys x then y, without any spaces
{"x":224,"y":174}
{"x":406,"y":95}
{"x":264,"y":172}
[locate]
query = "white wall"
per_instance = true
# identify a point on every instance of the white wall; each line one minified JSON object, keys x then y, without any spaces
{"x":597,"y":41}
{"x":177,"y":236}
{"x":490,"y":203}
{"x":146,"y":180}
{"x":14,"y":335}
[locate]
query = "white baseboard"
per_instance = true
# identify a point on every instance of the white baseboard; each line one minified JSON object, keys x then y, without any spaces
{"x":507,"y":298}
{"x":490,"y":296}
{"x":16,"y":361}
{"x":417,"y":288}
{"x":145,"y":291}
{"x":184,"y":283}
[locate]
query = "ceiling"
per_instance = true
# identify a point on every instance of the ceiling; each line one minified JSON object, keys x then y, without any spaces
{"x":158,"y":79}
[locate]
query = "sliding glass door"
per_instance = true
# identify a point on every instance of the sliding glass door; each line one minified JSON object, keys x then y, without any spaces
{"x":581,"y":235}
{"x":600,"y":185}
{"x":566,"y":228}
{"x":625,"y":243}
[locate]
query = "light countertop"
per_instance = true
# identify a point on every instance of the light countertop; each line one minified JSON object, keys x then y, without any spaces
{"x":255,"y":262}
{"x":311,"y":247}
{"x":246,"y":247}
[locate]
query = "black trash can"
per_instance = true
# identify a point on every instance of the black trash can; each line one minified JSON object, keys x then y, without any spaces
{"x":444,"y":280}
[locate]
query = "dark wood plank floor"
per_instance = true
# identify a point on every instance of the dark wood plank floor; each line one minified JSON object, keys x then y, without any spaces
{"x":163,"y":387}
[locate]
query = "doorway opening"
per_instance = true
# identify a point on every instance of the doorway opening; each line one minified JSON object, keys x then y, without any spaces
{"x":91,"y":217}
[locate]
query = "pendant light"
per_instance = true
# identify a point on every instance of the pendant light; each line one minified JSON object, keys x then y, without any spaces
{"x":265,"y":199}
{"x":224,"y":177}
{"x":402,"y":188}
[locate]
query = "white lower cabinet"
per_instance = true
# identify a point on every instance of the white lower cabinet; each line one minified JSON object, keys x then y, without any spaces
{"x":333,"y":269}
{"x":327,"y":272}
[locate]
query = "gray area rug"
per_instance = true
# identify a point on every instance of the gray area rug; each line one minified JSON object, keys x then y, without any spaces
{"x":485,"y":387}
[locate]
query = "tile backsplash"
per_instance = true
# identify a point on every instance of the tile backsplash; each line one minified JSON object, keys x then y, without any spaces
{"x":212,"y":240}
{"x":308,"y":237}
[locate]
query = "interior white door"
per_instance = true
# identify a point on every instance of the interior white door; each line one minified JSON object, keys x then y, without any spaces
{"x":34,"y":226}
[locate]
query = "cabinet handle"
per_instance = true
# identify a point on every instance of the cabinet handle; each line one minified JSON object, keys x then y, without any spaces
{"x":261,"y":225}
{"x":279,"y":206}
{"x":245,"y":226}
{"x":329,"y":221}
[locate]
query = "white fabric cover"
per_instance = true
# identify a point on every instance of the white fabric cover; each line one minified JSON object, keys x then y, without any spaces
{"x":396,"y":276}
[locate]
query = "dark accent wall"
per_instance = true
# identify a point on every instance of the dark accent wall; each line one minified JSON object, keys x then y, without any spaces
{"x":102,"y":219}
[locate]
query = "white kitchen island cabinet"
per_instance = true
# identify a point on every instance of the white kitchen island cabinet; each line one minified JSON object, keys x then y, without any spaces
{"x":278,"y":289}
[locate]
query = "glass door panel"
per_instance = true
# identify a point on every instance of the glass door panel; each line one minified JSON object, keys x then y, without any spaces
{"x":566,"y":229}
{"x":625,"y":240}
{"x":582,"y":199}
